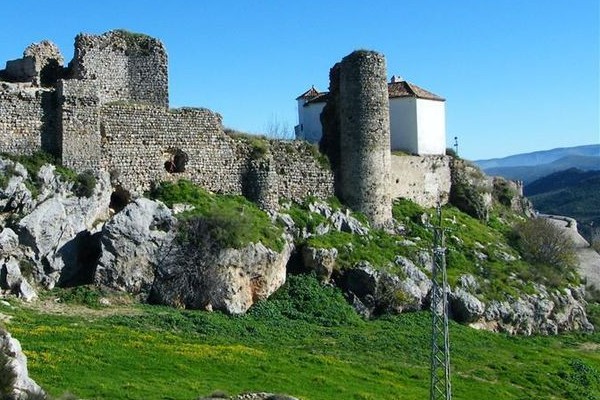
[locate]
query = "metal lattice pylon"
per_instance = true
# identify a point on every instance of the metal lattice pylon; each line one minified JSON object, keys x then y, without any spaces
{"x":440,"y":341}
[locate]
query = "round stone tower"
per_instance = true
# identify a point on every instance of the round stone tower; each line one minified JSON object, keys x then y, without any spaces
{"x":364,"y":118}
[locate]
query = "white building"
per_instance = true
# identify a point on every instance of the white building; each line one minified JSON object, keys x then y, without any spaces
{"x":310,"y":106}
{"x":417,"y":118}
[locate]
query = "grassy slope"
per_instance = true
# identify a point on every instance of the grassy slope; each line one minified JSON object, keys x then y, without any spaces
{"x":161,"y":353}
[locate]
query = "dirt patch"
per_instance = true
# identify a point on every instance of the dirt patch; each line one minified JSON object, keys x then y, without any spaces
{"x":115,"y":306}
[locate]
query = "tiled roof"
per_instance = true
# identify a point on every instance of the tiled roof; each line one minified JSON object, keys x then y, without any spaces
{"x":310,"y":93}
{"x":407,"y":89}
{"x":320,"y":98}
{"x":395,"y":89}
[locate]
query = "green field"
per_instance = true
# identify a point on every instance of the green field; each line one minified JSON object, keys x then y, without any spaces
{"x":290,"y":345}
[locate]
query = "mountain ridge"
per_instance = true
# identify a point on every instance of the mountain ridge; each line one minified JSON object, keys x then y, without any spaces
{"x":539,"y":157}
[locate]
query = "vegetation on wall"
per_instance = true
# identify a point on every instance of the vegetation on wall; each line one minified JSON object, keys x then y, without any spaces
{"x":230,"y":221}
{"x":83,"y":183}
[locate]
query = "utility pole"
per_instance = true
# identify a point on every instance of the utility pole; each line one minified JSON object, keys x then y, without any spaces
{"x":456,"y":145}
{"x":440,"y":341}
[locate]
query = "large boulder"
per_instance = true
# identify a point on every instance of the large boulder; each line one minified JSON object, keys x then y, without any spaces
{"x":384,"y":292}
{"x":133,"y":245}
{"x":545,"y":313}
{"x":15,"y":383}
{"x":232,"y":281}
{"x":60,"y":216}
{"x":319,"y":260}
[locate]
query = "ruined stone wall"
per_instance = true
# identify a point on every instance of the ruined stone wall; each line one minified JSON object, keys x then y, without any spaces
{"x":424,"y":180}
{"x":365,"y":135}
{"x":137,"y":142}
{"x":78,"y":128}
{"x":27,"y":119}
{"x":126,"y":66}
{"x":301,"y":170}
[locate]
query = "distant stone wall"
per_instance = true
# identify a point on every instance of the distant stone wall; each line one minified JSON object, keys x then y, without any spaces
{"x":27,"y":119}
{"x":422,"y":179}
{"x":126,"y":66}
{"x":363,"y":109}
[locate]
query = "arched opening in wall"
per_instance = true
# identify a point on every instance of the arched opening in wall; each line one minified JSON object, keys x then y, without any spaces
{"x":177,"y":161}
{"x":119,"y":199}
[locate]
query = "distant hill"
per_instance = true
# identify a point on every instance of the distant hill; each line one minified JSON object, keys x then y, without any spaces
{"x":573,"y":192}
{"x":528,"y":167}
{"x":540,"y":157}
{"x":529,"y":173}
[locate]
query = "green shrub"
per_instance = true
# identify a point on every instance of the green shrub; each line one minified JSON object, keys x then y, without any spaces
{"x":231,"y":221}
{"x":541,"y":242}
{"x":304,"y":298}
{"x":82,"y":295}
{"x":85,"y":183}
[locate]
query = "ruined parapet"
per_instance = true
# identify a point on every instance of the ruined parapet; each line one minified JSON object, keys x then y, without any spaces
{"x":79,"y":125}
{"x":363,"y":110}
{"x":126,"y":67}
{"x":42,"y":65}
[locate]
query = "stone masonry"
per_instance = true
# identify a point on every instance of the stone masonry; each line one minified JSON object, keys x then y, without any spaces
{"x":108,"y":109}
{"x":364,"y":135}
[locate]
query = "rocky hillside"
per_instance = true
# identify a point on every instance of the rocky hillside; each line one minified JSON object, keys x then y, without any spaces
{"x":573,"y":193}
{"x":185,"y":247}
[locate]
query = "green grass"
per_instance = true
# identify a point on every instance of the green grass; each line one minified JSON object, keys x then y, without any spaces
{"x":282,"y":346}
{"x":242,"y":221}
{"x":484,"y":250}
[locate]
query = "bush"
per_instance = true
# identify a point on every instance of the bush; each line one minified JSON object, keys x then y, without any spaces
{"x":304,"y":298}
{"x":85,"y":183}
{"x":547,"y":248}
{"x":231,"y":221}
{"x":83,"y":295}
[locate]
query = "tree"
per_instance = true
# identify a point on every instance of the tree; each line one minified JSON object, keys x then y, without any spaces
{"x":542,"y":242}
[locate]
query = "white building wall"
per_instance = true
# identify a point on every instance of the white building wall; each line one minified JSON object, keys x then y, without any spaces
{"x":403,"y":124}
{"x":431,"y":123}
{"x":309,"y":121}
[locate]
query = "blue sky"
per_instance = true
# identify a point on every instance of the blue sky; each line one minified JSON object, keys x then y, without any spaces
{"x":518,"y":75}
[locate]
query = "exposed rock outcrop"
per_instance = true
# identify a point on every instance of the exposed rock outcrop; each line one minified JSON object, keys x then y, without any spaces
{"x":50,"y":230}
{"x":15,"y":383}
{"x":134,"y":243}
{"x":233,"y":281}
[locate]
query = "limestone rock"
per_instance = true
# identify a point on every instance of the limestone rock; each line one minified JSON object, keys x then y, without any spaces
{"x":131,"y":246}
{"x":321,"y":261}
{"x":233,"y":280}
{"x":14,"y":363}
{"x":465,"y":307}
{"x":382,"y":292}
{"x":56,"y":222}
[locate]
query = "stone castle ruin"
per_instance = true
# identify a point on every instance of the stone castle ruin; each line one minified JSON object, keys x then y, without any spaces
{"x":108,"y":109}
